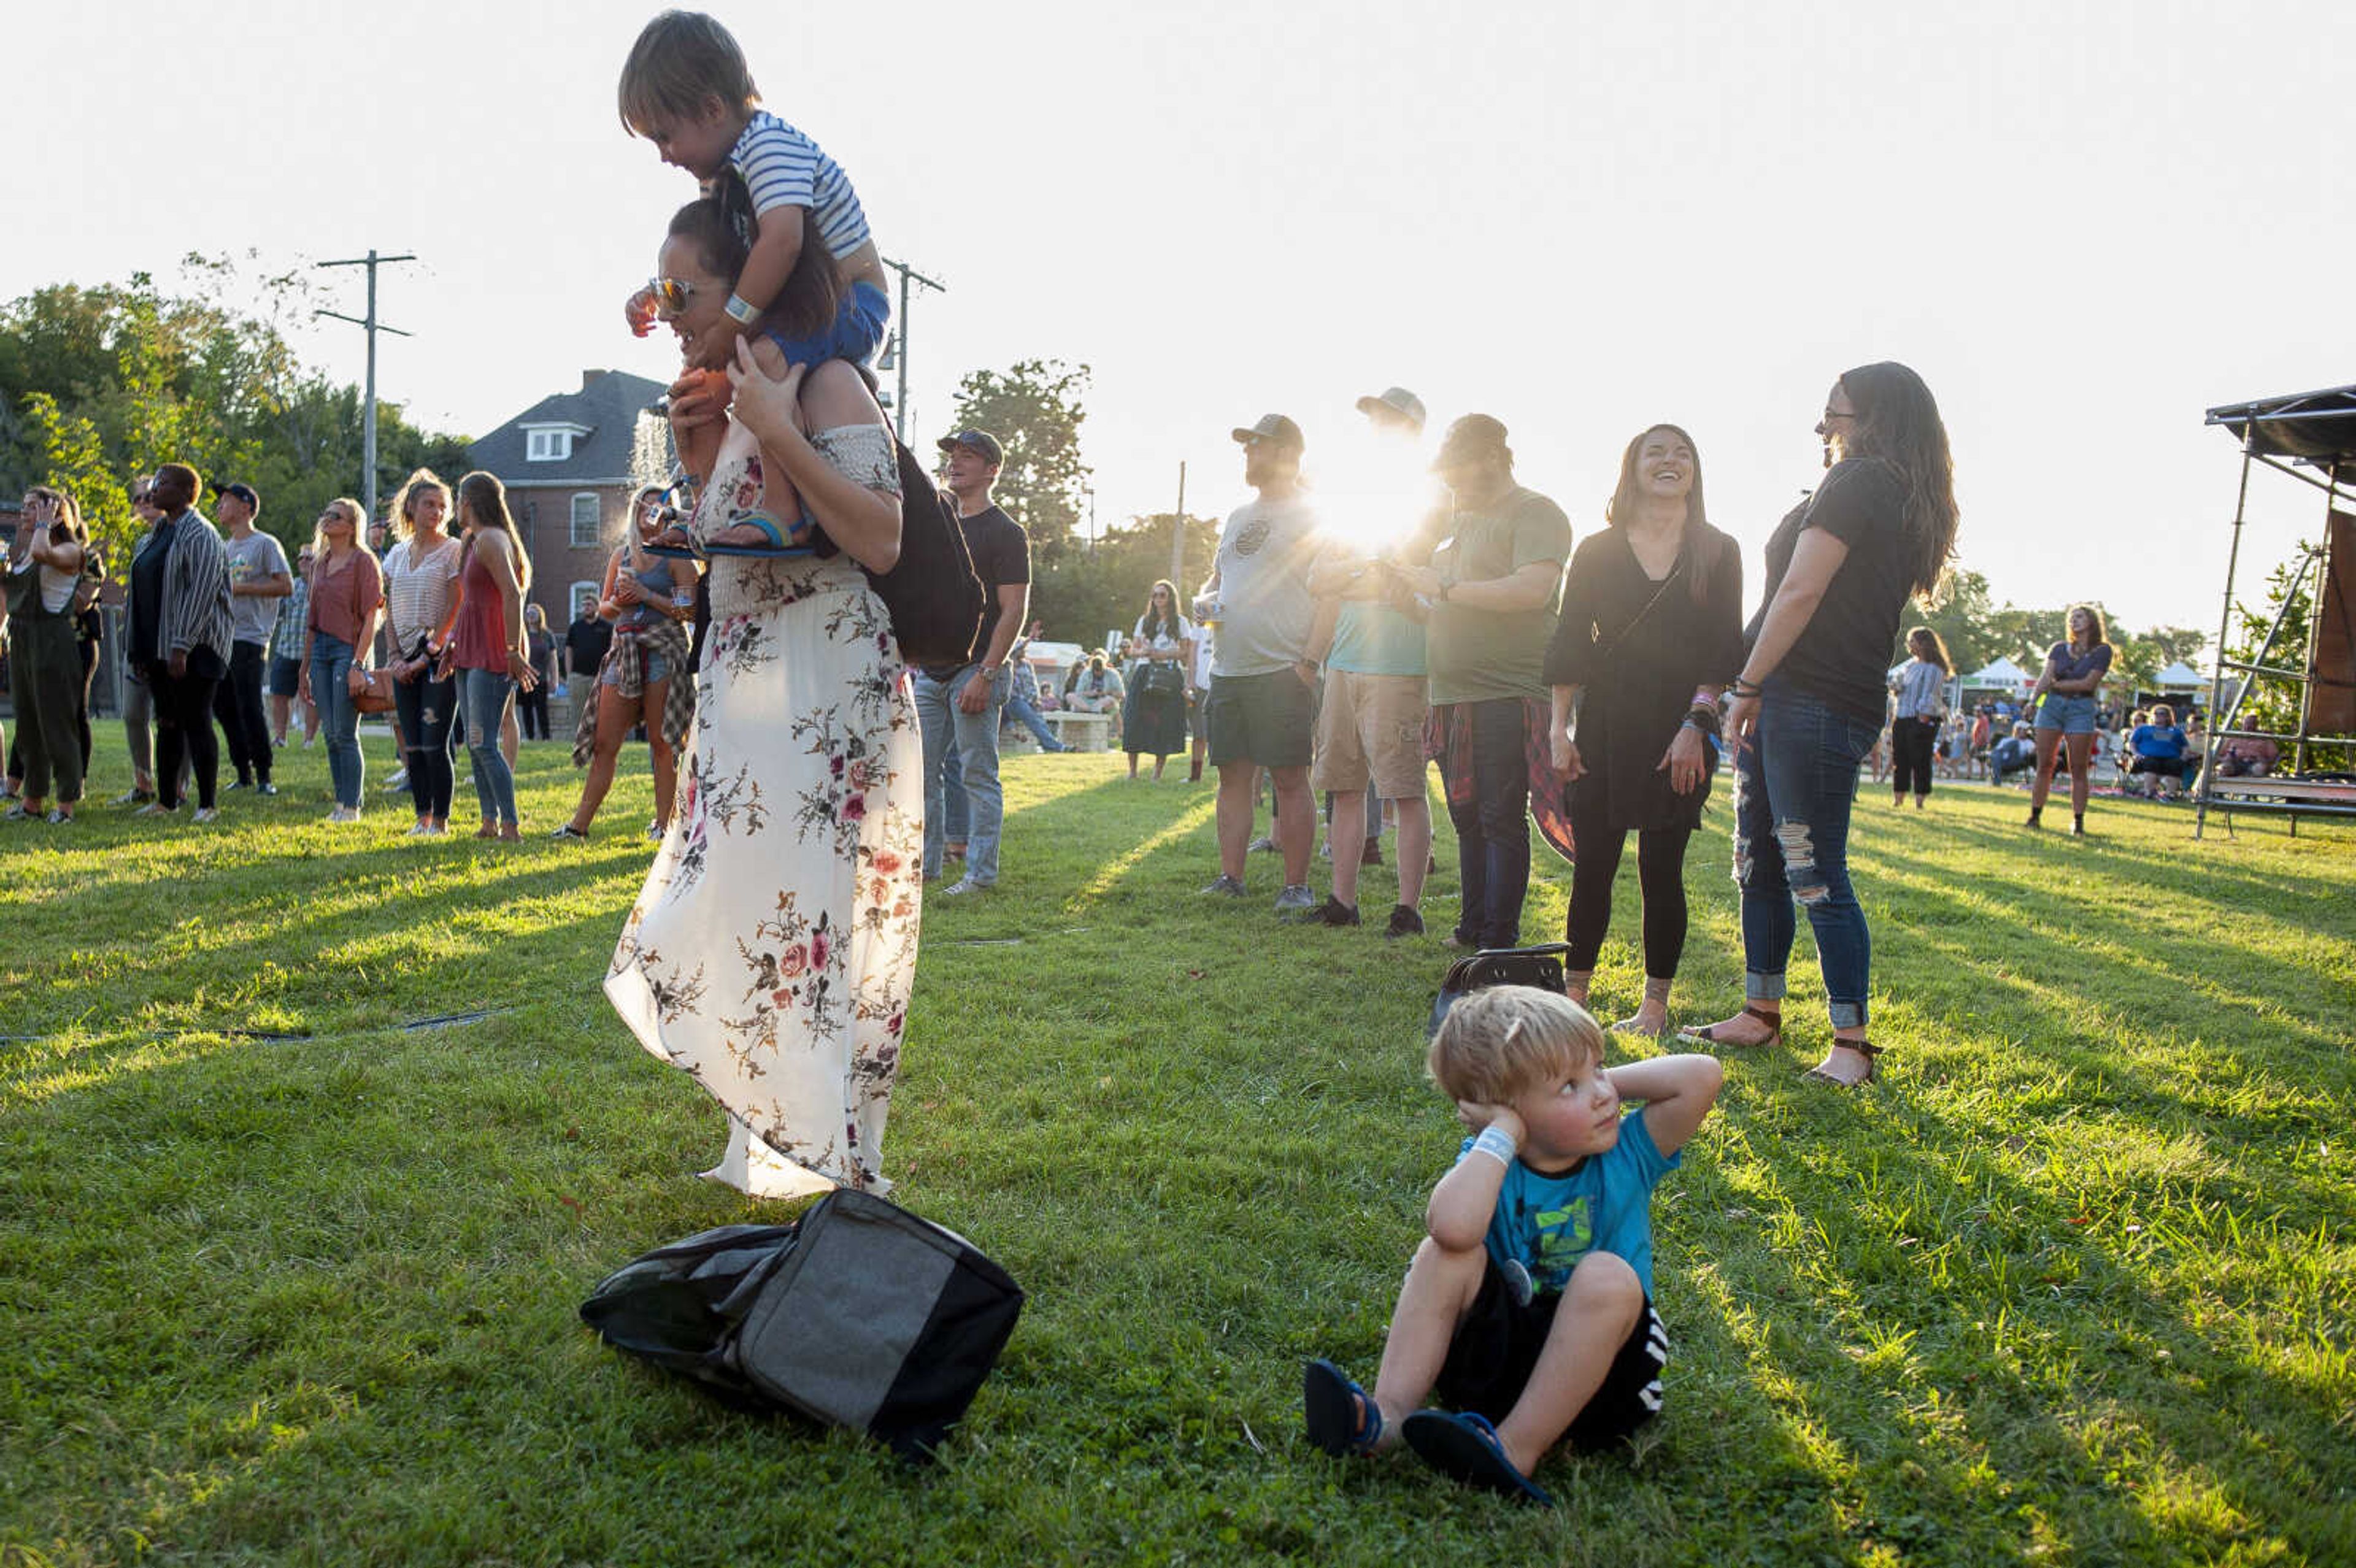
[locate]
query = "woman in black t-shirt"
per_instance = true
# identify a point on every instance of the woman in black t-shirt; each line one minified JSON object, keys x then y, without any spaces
{"x":1651,"y":628}
{"x":1808,"y":704}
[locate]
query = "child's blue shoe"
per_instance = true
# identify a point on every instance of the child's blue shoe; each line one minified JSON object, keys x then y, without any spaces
{"x":782,"y":541}
{"x":1464,"y":1448}
{"x":1344,"y":1418}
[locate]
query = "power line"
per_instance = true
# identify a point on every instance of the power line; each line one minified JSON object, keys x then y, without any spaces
{"x":367,"y":428}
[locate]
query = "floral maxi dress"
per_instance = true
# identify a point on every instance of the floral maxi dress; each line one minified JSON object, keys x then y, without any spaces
{"x":772,"y":951}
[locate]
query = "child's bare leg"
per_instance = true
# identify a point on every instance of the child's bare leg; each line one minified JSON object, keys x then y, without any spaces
{"x":1439,"y":1288}
{"x":1599,"y":1306}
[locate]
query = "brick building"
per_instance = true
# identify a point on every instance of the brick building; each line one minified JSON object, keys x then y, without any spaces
{"x":570,"y":462}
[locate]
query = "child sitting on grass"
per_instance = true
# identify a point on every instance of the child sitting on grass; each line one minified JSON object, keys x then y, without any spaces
{"x":686,"y":88}
{"x":1530,"y":1304}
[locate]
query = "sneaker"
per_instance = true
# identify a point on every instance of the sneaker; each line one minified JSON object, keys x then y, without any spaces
{"x":654,"y":832}
{"x":1405,"y":922}
{"x":570,"y":833}
{"x":965,"y":885}
{"x":398,"y":782}
{"x":56,"y":818}
{"x":135,"y":797}
{"x":1225,"y":886}
{"x":1263,"y":845}
{"x":1325,"y":850}
{"x":1296,"y":898}
{"x":1334,"y":911}
{"x":266,"y":787}
{"x":156,"y":808}
{"x":236,"y":785}
{"x":205,"y":814}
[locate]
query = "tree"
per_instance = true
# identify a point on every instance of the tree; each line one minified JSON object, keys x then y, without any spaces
{"x":2272,"y":703}
{"x":1034,"y":410}
{"x":97,"y":384}
{"x":1081,"y":594}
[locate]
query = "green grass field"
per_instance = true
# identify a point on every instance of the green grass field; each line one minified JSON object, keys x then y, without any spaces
{"x":284,"y":1280}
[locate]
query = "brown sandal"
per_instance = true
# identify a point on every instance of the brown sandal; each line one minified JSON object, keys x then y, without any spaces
{"x":1774,"y":1022}
{"x":1864,"y":1048}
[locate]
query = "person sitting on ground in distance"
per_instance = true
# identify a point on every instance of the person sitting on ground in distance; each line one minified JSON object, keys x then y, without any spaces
{"x":2010,"y":755}
{"x":1096,"y":689}
{"x":1530,"y":1304}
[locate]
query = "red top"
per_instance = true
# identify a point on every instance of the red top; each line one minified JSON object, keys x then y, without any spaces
{"x":480,"y":639}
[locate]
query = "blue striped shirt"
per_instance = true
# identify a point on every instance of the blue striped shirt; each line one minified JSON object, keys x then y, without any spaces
{"x":782,"y":168}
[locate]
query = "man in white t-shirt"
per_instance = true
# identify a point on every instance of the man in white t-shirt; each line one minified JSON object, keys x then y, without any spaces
{"x":257,"y":579}
{"x":1261,"y":712}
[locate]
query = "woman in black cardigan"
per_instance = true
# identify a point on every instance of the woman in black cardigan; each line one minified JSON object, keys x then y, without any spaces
{"x":1651,"y":628}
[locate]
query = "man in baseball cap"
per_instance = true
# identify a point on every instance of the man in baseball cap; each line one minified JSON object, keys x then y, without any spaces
{"x":1261,"y":711}
{"x":959,"y":706}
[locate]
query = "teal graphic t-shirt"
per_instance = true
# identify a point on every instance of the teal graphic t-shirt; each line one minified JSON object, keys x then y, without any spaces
{"x":1546,"y":1223}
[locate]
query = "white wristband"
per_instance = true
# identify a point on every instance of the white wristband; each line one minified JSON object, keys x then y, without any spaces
{"x":741,"y":313}
{"x":1497,"y":1144}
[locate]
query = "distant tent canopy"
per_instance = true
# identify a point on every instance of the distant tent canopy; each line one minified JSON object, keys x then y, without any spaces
{"x":2002,"y":676}
{"x":2179,"y":676}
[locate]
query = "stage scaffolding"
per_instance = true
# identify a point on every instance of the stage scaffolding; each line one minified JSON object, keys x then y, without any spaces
{"x":2311,"y":437}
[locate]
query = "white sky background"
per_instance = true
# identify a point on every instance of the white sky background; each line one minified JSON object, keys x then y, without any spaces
{"x":2082,"y":223}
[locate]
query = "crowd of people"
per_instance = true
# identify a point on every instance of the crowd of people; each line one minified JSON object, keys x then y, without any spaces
{"x":810,"y":778}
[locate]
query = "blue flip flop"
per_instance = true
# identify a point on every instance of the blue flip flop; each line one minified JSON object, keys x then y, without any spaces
{"x":1464,"y":1448}
{"x":775,"y":550}
{"x":1343,"y":1419}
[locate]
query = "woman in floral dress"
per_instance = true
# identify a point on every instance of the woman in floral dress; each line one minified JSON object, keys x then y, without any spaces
{"x":771,"y":953}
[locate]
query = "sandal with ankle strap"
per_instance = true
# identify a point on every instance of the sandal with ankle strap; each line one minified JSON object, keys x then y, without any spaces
{"x":1343,"y":1418}
{"x":1707,"y":1034}
{"x":1864,"y":1048}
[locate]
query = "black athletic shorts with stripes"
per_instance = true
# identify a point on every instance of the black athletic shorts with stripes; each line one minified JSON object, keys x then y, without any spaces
{"x":1497,"y":1347}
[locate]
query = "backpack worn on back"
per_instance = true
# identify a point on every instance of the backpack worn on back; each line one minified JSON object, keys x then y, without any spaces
{"x":858,"y":1314}
{"x":932,"y":591}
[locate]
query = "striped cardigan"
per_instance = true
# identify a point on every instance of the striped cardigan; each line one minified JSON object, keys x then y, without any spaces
{"x":195,"y":612}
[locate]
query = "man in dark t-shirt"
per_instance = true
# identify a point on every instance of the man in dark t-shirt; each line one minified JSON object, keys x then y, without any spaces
{"x":585,"y":641}
{"x":959,"y":704}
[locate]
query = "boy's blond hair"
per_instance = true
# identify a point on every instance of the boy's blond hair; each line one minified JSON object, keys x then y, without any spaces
{"x":1498,"y":1042}
{"x":681,"y":58}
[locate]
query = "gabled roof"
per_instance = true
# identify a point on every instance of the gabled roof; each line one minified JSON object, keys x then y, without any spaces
{"x":608,"y":408}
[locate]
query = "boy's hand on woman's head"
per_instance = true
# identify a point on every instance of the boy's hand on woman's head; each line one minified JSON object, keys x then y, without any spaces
{"x":638,"y":311}
{"x":1477,"y":1115}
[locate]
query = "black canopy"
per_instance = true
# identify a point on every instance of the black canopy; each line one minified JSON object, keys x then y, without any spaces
{"x":2319,"y":427}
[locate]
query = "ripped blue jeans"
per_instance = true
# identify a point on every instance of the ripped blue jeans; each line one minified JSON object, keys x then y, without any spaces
{"x":1794,"y":781}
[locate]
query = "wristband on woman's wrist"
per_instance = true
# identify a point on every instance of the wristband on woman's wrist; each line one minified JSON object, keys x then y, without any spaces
{"x":1497,"y":1144}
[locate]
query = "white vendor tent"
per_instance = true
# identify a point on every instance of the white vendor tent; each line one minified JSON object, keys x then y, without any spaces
{"x":2179,"y":676}
{"x":2002,"y":676}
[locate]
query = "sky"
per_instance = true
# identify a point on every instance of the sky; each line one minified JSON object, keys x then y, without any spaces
{"x":2082,"y":223}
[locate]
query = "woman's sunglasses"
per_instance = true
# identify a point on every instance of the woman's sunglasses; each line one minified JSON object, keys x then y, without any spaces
{"x":670,"y":295}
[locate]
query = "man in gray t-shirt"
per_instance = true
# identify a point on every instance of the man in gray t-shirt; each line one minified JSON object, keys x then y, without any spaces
{"x":1261,"y":710}
{"x":258,"y":580}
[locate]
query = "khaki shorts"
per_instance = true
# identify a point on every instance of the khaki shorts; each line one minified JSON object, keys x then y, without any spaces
{"x":1371,"y":725}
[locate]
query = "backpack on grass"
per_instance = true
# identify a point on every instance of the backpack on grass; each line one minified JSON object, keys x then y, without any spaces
{"x":858,"y":1314}
{"x":1540,"y":965}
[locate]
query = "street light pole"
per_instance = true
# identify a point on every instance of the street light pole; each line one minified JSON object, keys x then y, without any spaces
{"x":368,"y":425}
{"x":900,"y":398}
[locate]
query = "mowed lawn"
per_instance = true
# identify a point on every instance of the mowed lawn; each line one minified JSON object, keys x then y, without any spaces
{"x":286,"y":1277}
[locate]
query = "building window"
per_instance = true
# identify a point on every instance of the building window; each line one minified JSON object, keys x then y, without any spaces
{"x":548,"y":446}
{"x":586,"y":520}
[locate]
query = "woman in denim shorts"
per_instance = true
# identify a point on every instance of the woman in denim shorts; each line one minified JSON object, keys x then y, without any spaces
{"x":2073,"y":674}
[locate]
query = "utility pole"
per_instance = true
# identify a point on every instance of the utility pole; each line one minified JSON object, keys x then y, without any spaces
{"x":900,"y":329}
{"x":1178,"y":535}
{"x":367,"y":428}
